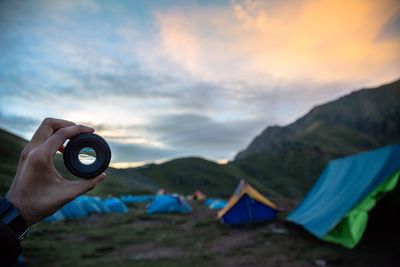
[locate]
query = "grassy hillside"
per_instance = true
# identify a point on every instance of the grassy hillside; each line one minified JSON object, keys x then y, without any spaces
{"x":10,"y":149}
{"x":280,"y":162}
{"x":118,"y":181}
{"x":185,"y":175}
{"x":182,"y":175}
{"x":289,"y":159}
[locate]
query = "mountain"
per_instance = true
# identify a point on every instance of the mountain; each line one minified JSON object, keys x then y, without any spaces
{"x":185,"y":175}
{"x":10,"y":149}
{"x":117,"y":182}
{"x":288,"y":159}
{"x":282,"y":162}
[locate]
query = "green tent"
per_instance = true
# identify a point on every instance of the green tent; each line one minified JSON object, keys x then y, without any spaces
{"x":336,"y":208}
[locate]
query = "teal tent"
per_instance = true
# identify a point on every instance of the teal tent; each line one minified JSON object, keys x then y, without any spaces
{"x":74,"y":210}
{"x":336,"y":208}
{"x":129,"y":199}
{"x":218,"y":204}
{"x":168,"y":204}
{"x":93,"y":205}
{"x":115,"y":205}
{"x":208,"y":201}
{"x":55,"y":217}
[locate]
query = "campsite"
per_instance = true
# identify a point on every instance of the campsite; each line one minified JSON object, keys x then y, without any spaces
{"x":223,"y":216}
{"x":196,"y":239}
{"x":227,"y":133}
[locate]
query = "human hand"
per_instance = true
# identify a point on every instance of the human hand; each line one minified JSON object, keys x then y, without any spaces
{"x":38,"y":190}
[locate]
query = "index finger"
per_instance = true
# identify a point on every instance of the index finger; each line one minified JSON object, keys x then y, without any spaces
{"x":47,"y":128}
{"x":55,"y":141}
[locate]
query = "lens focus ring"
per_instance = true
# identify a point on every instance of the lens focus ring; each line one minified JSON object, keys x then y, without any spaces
{"x":90,"y":140}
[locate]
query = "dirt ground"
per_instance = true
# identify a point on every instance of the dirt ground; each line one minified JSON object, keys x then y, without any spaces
{"x":195,"y":239}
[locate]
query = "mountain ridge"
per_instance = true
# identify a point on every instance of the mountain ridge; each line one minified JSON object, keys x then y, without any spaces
{"x":287,"y":132}
{"x":296,"y":154}
{"x":281,"y":162}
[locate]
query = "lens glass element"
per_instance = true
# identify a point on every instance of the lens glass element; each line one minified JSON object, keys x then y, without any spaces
{"x":87,"y":155}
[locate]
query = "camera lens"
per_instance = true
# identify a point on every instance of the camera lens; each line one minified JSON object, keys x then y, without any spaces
{"x":87,"y":155}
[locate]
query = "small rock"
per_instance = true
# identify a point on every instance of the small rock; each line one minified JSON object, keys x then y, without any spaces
{"x":280,"y":231}
{"x":320,"y":262}
{"x":276,"y":229}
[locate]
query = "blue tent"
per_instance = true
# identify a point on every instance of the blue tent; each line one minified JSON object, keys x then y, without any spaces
{"x":55,"y":217}
{"x":74,"y":210}
{"x":136,"y":199}
{"x":115,"y":205}
{"x":247,"y":205}
{"x":336,"y":208}
{"x":208,"y":201}
{"x":83,"y":206}
{"x":217,"y":204}
{"x":93,"y":205}
{"x":168,"y":204}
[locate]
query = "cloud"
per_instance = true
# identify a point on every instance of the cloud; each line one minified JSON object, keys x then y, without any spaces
{"x":133,"y":152}
{"x":321,"y":42}
{"x":390,"y":30}
{"x":164,"y":80}
{"x":202,"y":135}
{"x":18,"y":124}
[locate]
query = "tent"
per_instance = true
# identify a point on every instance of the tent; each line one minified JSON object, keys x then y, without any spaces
{"x":247,"y":205}
{"x":198,"y":195}
{"x":217,"y":204}
{"x":208,"y":201}
{"x":55,"y":217}
{"x":78,"y":208}
{"x":336,"y":208}
{"x":74,"y":210}
{"x":135,"y":199}
{"x":93,"y":205}
{"x":169,"y":204}
{"x":115,"y":205}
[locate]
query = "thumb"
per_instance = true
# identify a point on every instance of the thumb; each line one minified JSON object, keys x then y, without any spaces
{"x":76,"y":188}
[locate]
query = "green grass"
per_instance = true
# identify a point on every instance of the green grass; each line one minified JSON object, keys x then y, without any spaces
{"x":196,"y":239}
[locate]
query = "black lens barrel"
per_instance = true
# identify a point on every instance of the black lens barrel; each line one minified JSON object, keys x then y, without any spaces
{"x":91,"y":140}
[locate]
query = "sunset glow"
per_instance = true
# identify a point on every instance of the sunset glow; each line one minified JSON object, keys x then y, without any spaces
{"x":166,"y":79}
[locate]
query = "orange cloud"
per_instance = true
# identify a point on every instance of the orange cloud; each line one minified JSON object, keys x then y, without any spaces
{"x":180,"y":44}
{"x":251,"y":40}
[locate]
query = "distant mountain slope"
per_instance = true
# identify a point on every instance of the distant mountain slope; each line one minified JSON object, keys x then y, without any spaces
{"x":281,"y":161}
{"x":118,"y":181}
{"x":10,"y":149}
{"x":185,"y":175}
{"x":289,"y":159}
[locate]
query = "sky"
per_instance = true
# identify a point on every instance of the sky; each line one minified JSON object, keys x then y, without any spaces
{"x":167,"y":79}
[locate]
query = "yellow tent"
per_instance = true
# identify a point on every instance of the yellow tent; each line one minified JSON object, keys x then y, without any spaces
{"x":247,"y":205}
